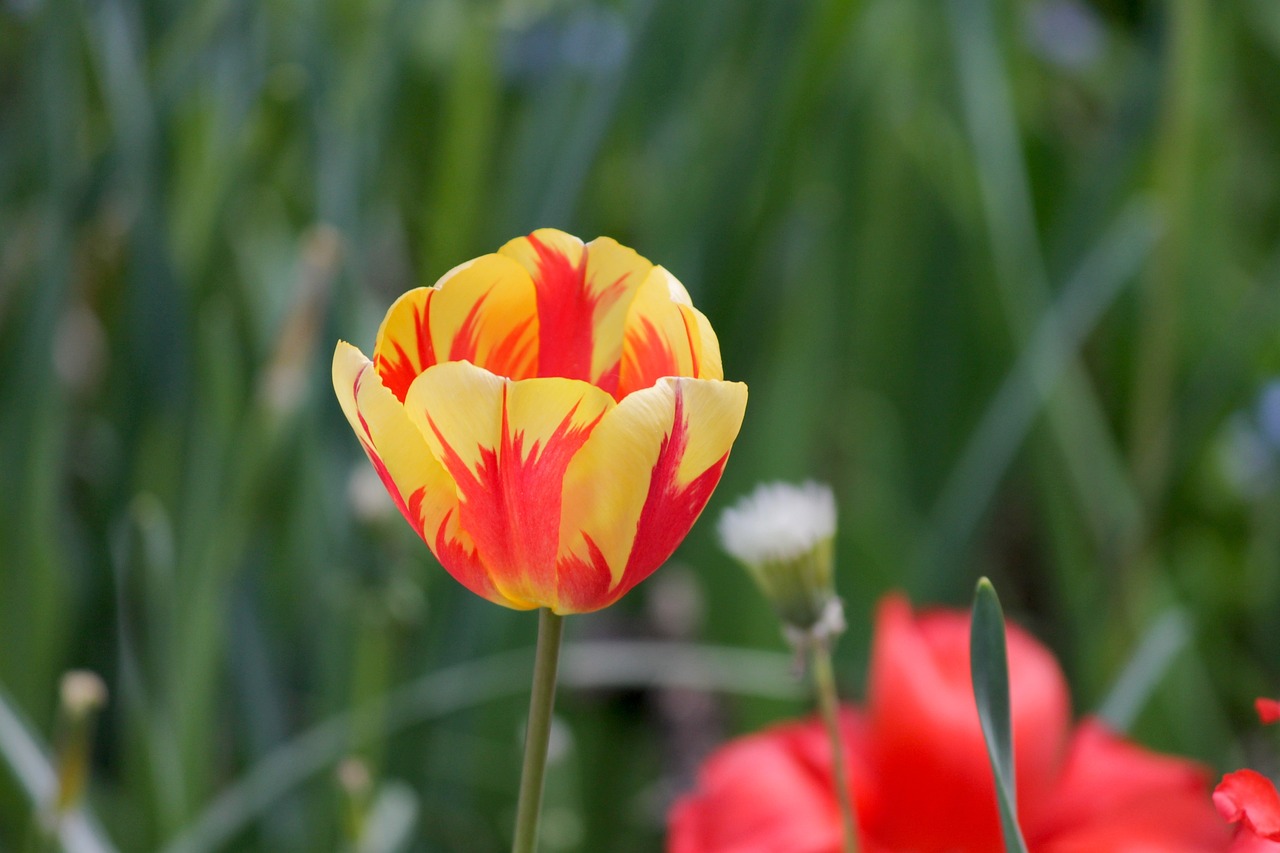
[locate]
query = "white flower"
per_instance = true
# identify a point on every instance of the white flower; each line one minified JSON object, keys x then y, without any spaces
{"x":785,"y":536}
{"x":778,"y":522}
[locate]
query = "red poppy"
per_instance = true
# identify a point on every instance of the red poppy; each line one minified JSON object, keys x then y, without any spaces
{"x":920,"y":775}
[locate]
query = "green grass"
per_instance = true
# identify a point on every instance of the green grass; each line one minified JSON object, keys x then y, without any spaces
{"x":1008,"y":306}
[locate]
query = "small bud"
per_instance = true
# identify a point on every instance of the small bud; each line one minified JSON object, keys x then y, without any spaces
{"x":82,"y":694}
{"x":785,"y":535}
{"x":354,"y":778}
{"x":356,"y":784}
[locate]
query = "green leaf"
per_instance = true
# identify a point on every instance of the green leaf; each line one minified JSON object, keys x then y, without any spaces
{"x":989,"y":668}
{"x":78,"y":831}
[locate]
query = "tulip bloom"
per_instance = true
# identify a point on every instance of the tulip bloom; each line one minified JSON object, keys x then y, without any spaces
{"x":551,"y":419}
{"x":920,"y":775}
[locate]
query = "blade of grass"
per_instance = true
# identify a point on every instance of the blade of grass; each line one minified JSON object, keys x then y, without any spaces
{"x":1030,"y":383}
{"x":989,"y":667}
{"x":1104,"y":493}
{"x":78,"y":831}
{"x":1160,"y":646}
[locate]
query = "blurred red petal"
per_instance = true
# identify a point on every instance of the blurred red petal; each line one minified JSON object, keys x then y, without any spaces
{"x":1250,"y":798}
{"x":1268,"y":709}
{"x":1117,"y":797}
{"x":927,"y":753}
{"x":757,"y":795}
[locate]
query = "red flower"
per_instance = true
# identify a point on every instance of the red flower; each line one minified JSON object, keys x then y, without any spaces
{"x":1268,"y":709}
{"x":920,"y":775}
{"x":550,"y":419}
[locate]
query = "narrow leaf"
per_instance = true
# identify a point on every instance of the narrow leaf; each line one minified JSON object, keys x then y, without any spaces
{"x":989,"y":668}
{"x":77,"y":831}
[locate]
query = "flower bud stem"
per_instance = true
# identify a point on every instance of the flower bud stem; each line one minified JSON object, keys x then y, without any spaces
{"x":824,"y":684}
{"x":538,"y":731}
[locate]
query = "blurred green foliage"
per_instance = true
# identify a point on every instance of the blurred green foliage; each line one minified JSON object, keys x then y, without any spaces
{"x":1005,"y":272}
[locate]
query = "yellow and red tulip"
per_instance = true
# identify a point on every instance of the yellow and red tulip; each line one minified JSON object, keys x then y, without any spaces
{"x":551,"y":418}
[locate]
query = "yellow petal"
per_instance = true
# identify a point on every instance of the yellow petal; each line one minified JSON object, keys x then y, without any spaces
{"x":485,"y":313}
{"x":421,"y":488}
{"x":404,"y":348}
{"x":507,"y":445}
{"x":662,"y":334}
{"x":707,"y":345}
{"x":584,"y":293}
{"x":640,"y":481}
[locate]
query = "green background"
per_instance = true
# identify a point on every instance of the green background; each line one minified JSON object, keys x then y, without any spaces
{"x":1005,"y":273}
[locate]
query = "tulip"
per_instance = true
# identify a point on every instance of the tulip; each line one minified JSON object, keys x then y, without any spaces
{"x":551,"y":419}
{"x":919,"y":772}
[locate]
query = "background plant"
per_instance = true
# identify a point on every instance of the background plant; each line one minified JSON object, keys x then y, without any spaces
{"x":1004,"y":272}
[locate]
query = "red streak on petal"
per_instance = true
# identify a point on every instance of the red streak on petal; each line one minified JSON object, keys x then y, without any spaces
{"x":584,"y":584}
{"x":465,"y":345}
{"x":669,"y":509}
{"x":509,"y":357}
{"x":513,"y":355}
{"x":650,"y":358}
{"x":511,"y":503}
{"x":462,"y":563}
{"x":399,"y":370}
{"x":567,"y":309}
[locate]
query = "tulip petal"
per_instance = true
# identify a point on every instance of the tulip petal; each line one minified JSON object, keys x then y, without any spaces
{"x":507,"y":445}
{"x":1250,"y":798}
{"x":486,"y":314}
{"x":583,"y":293}
{"x":665,"y":336}
{"x":421,"y":488}
{"x":639,"y":483}
{"x":404,"y":348}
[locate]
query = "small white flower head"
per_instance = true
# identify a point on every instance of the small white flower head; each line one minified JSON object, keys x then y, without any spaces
{"x":82,"y":692}
{"x":784,"y":534}
{"x":778,"y":522}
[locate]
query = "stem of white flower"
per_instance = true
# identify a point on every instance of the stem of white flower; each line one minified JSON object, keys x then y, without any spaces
{"x":824,"y":684}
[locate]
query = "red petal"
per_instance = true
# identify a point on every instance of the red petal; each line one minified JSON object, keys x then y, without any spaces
{"x":1250,"y":798}
{"x":1268,"y":709}
{"x":1116,"y":796}
{"x":769,"y":793}
{"x":927,"y":751}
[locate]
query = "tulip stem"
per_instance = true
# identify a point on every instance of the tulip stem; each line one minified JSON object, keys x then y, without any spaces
{"x":824,"y":683}
{"x":538,"y":731}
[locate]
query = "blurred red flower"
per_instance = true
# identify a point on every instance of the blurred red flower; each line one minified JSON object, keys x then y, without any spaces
{"x":1268,"y":709}
{"x":919,"y":770}
{"x":1250,"y":799}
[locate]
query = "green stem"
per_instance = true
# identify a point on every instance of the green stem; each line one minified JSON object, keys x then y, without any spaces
{"x":550,"y":628}
{"x":824,"y":684}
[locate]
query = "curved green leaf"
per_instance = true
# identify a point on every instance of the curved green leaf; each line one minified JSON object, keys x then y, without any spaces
{"x":989,"y":668}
